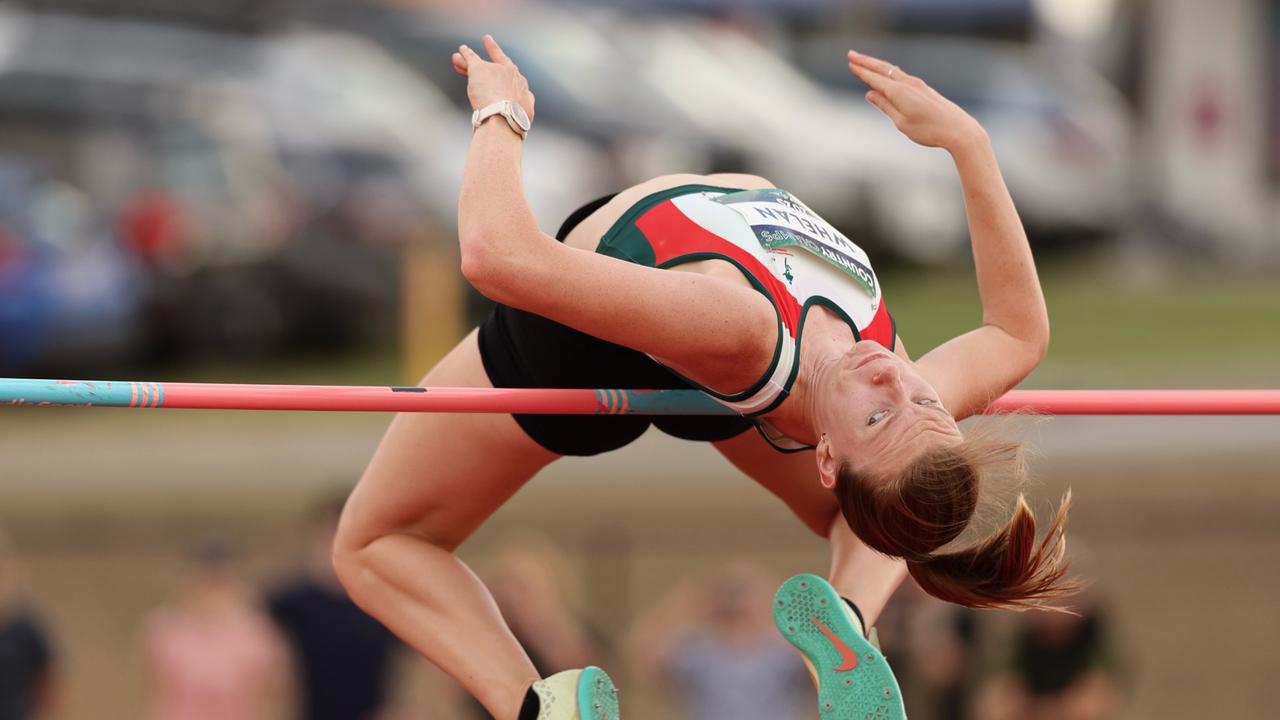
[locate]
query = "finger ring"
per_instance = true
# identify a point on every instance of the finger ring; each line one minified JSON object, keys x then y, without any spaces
{"x":892,"y":70}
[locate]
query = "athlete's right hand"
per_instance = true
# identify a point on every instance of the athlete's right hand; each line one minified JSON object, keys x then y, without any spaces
{"x":916,"y":109}
{"x":493,"y":80}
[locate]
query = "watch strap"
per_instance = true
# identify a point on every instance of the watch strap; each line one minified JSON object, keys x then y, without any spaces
{"x":505,"y":108}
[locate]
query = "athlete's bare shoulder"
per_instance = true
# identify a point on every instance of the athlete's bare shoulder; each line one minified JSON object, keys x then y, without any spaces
{"x":587,"y":235}
{"x":738,"y":180}
{"x":729,"y":180}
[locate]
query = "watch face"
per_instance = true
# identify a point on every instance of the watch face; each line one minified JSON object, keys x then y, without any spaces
{"x":522,"y":118}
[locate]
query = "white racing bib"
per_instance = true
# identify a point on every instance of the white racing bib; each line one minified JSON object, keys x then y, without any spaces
{"x":779,"y":220}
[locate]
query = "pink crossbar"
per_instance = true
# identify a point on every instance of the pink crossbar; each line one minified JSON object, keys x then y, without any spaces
{"x":217,"y":396}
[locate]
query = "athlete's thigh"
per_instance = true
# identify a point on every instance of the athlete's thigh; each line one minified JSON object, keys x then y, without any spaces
{"x":792,"y":477}
{"x":440,"y":475}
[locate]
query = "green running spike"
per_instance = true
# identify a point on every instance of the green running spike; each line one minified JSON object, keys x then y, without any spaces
{"x":854,"y":680}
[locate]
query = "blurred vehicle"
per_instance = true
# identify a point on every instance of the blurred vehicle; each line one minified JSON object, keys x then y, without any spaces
{"x":1062,"y":133}
{"x":369,"y":97}
{"x":66,"y":289}
{"x":583,"y":85}
{"x":852,"y":167}
{"x":265,"y":200}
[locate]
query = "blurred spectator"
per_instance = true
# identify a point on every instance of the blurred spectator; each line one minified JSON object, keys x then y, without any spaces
{"x":213,"y":654}
{"x":343,"y":657}
{"x":713,"y":642}
{"x":1063,"y":667}
{"x":26,"y":667}
{"x":536,"y":593}
{"x":932,"y":647}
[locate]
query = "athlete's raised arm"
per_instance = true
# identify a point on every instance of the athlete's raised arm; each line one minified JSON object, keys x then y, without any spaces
{"x":971,"y":370}
{"x":710,"y":328}
{"x":494,"y":219}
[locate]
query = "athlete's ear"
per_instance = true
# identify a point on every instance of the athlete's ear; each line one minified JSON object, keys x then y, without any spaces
{"x":828,"y":466}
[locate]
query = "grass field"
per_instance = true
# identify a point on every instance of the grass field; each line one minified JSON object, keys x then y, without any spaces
{"x":1109,"y":330}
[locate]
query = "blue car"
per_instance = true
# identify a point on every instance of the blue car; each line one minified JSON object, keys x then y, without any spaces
{"x":70,"y":296}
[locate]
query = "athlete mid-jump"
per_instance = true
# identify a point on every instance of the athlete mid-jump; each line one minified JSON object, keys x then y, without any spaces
{"x":726,"y":284}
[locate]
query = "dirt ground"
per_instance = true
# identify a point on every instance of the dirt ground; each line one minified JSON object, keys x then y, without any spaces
{"x":1180,"y":519}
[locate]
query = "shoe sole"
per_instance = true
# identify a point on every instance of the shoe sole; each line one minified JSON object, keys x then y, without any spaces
{"x":597,"y":698}
{"x":803,"y":606}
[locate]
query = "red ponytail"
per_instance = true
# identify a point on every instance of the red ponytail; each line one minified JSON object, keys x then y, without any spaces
{"x":932,"y":501}
{"x":1007,"y":570}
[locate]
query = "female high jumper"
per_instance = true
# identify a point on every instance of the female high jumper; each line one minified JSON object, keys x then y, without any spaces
{"x":725,"y":284}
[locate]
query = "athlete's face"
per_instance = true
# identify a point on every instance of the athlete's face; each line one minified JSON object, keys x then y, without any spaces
{"x":883,"y":414}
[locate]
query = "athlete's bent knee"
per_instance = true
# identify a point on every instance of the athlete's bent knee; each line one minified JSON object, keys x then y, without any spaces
{"x":362,"y":559}
{"x":352,"y":555}
{"x":350,"y":566}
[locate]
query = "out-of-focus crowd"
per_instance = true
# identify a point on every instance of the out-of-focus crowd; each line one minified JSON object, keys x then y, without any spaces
{"x":221,"y":649}
{"x":174,"y":189}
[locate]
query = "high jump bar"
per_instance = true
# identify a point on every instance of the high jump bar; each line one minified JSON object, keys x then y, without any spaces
{"x":339,"y":398}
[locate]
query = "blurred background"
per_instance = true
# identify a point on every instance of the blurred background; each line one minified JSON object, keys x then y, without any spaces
{"x":265,"y":191}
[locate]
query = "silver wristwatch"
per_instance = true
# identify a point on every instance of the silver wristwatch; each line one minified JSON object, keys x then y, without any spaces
{"x":516,"y":117}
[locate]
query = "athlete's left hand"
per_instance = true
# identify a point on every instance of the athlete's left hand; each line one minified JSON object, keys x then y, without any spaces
{"x":919,"y":111}
{"x":489,"y":81}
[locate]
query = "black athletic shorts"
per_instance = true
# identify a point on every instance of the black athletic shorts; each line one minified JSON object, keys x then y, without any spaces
{"x":523,"y":350}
